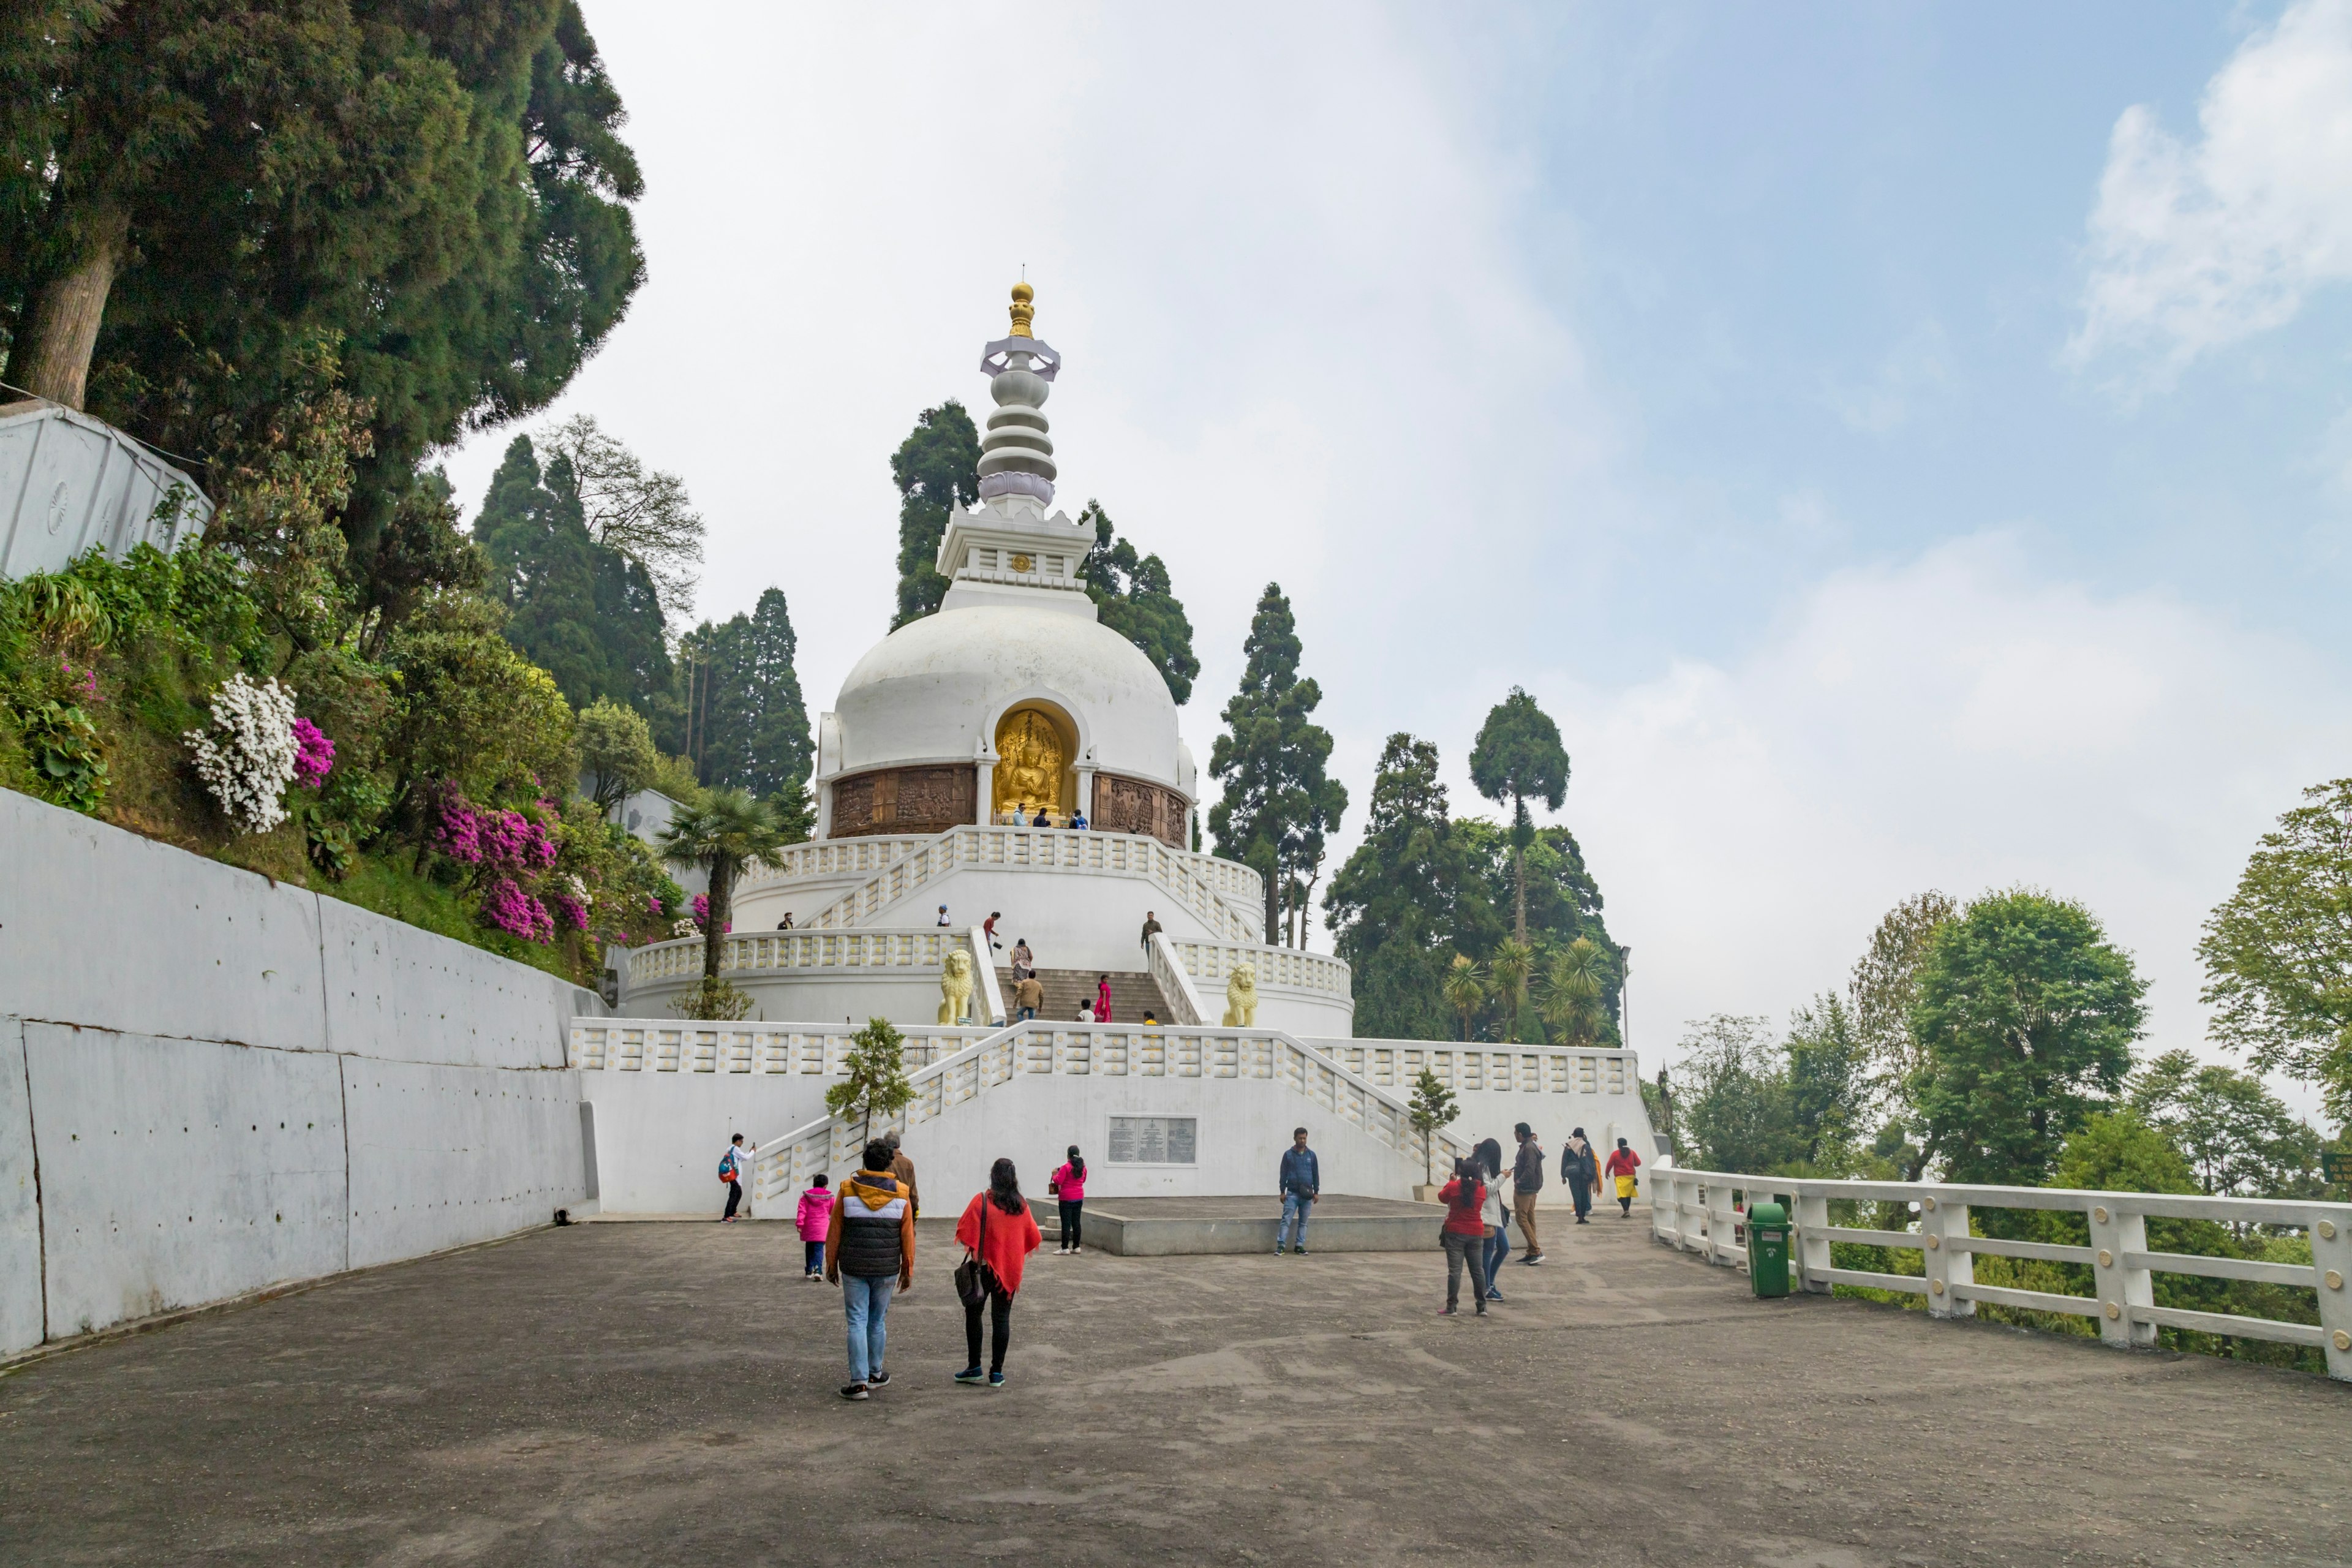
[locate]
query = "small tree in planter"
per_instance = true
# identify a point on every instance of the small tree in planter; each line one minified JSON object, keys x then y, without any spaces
{"x":876,"y":1085}
{"x":1432,"y":1107}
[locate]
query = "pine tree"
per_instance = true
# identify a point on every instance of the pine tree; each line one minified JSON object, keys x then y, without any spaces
{"x":1519,"y":758}
{"x":1134,"y":598}
{"x":1405,"y":899}
{"x":1278,"y":802}
{"x":751,"y":724}
{"x":936,"y":468}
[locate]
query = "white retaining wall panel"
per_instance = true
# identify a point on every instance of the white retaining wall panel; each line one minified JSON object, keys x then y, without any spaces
{"x":179,"y":1171}
{"x":395,"y":992}
{"x":442,"y":1156}
{"x":659,"y":1134}
{"x":20,"y":1215}
{"x":101,"y":927}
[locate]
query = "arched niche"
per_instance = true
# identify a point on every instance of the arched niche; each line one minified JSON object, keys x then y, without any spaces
{"x":1036,"y":760}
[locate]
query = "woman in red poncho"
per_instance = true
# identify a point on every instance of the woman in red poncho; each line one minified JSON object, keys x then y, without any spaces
{"x":997,"y":1229}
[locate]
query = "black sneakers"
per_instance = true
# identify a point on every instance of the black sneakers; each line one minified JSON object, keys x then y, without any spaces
{"x":854,"y":1390}
{"x":880,"y":1380}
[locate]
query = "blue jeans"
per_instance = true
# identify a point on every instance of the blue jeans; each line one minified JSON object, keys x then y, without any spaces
{"x":1292,"y":1231}
{"x":1026,"y":1013}
{"x":1498,"y":1248}
{"x":866,"y":1303}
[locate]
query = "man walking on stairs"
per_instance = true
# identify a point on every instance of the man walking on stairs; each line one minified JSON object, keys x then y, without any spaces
{"x":1151,"y":924}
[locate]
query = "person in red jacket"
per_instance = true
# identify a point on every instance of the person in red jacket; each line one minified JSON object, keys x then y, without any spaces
{"x":1622,"y":1161}
{"x":1464,"y":1235}
{"x":998,"y":1230}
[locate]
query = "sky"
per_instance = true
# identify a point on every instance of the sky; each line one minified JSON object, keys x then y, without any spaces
{"x":1902,"y":446}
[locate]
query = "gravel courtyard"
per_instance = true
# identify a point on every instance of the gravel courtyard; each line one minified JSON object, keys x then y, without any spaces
{"x":663,"y":1393}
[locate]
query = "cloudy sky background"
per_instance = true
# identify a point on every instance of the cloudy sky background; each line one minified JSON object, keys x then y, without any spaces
{"x":1902,"y":448}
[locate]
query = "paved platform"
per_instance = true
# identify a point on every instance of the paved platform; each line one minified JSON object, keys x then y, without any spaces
{"x":1175,"y":1226}
{"x":662,"y":1394}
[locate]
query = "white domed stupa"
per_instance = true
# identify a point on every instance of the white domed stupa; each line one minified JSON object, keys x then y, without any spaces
{"x":1008,"y":755}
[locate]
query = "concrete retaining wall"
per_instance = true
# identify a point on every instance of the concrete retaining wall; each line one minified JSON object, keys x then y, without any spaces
{"x":211,"y":1084}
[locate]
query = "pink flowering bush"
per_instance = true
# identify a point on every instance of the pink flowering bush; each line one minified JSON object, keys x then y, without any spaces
{"x":314,"y":754}
{"x":702,"y":914}
{"x":507,"y":908}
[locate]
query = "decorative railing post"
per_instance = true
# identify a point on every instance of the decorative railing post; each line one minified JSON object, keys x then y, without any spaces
{"x":1812,"y":1243}
{"x":2122,"y":1285}
{"x":1940,"y":1222}
{"x":2331,"y":1260}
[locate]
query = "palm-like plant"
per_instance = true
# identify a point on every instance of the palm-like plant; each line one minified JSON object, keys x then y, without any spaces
{"x":727,"y":833}
{"x":1574,"y":984}
{"x":1513,"y":962}
{"x":1464,"y":988}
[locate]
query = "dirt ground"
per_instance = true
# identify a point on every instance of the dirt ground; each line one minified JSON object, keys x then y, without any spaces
{"x":664,"y":1394}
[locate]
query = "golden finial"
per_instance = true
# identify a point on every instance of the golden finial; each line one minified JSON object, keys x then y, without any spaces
{"x":1023,"y":310}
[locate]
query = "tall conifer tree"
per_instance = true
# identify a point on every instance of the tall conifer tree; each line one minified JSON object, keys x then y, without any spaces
{"x":936,"y":468}
{"x":1135,"y":598}
{"x":1278,"y":802}
{"x":1396,"y":906}
{"x":1519,"y":758}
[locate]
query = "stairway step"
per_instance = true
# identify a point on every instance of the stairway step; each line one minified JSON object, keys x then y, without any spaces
{"x":1132,"y":992}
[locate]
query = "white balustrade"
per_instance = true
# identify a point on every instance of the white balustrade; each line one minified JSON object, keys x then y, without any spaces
{"x":1705,"y":1212}
{"x":1510,"y":1068}
{"x":919,"y":947}
{"x":1211,"y":964}
{"x":1175,"y":982}
{"x":830,"y":858}
{"x":647,"y":1045}
{"x":1103,"y":1051}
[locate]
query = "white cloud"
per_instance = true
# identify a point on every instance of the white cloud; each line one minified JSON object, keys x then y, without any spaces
{"x":2194,"y":245}
{"x":1915,"y":375}
{"x":1955,"y":722}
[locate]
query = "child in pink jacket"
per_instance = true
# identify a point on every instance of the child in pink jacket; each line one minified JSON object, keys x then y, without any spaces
{"x":816,"y":1214}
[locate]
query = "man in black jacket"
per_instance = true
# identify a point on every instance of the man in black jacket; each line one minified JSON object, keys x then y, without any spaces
{"x":1582,"y":1171}
{"x":1526,"y":1181}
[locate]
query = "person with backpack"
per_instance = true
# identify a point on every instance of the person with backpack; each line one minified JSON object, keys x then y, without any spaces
{"x":1464,"y":1235}
{"x":1068,"y":1185}
{"x":998,"y":1233}
{"x":816,"y":1217}
{"x":869,"y":1252}
{"x":1579,"y":1169}
{"x":1622,"y":1163}
{"x":733,"y":1165}
{"x":1526,"y":1181}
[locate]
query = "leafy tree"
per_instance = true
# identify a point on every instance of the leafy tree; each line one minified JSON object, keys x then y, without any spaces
{"x":1433,"y":1106}
{"x":214,"y":185}
{"x":1512,"y":966}
{"x":1735,"y":1106}
{"x":937,"y":468}
{"x":877,"y":1083}
{"x":2278,"y":952}
{"x":1518,"y":757}
{"x":1464,"y":987}
{"x":1575,"y":991}
{"x":2028,"y":1015}
{"x":1828,"y":1079}
{"x":1564,"y":904}
{"x":472,"y":710}
{"x":1133,"y":598}
{"x":617,"y":751}
{"x":1396,"y":905}
{"x":1885,"y":985}
{"x":2233,"y":1130}
{"x":724,"y":834}
{"x":747,"y":724}
{"x":1278,"y":802}
{"x":641,"y":513}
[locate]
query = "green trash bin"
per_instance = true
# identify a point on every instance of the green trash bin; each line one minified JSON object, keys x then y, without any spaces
{"x":1768,"y":1249}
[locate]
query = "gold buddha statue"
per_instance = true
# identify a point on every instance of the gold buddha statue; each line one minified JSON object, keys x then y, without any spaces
{"x":1031,"y":760}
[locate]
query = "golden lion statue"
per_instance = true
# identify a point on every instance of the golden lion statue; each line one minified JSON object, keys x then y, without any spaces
{"x":1241,"y":997}
{"x":955,"y":987}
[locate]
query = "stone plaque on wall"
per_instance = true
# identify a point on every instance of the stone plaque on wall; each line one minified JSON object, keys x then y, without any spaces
{"x":1154,"y":1141}
{"x":1131,"y":805}
{"x":904,"y":800}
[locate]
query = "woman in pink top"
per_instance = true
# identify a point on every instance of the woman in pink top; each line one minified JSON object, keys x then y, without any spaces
{"x":1102,"y":1000}
{"x":816,"y":1214}
{"x":1069,"y":1185}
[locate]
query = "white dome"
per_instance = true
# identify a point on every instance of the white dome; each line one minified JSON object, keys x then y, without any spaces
{"x":933,"y":691}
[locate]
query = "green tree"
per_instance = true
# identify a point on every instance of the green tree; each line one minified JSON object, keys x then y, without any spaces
{"x":222,"y":184}
{"x":937,"y":468}
{"x":2028,"y":1015}
{"x":1829,"y":1079}
{"x":1734,"y":1107}
{"x":1513,"y":964}
{"x":1882,"y":991}
{"x":1518,"y":757}
{"x":1464,"y":987}
{"x":2278,"y":952}
{"x":1278,"y":802}
{"x":1433,"y":1106}
{"x":1575,"y":994}
{"x":742,"y":716}
{"x":617,"y":753}
{"x":1133,"y":597}
{"x":725,"y":834}
{"x":1408,"y":896}
{"x":2235,"y":1133}
{"x":640,"y":513}
{"x":472,"y":710}
{"x":876,"y":1084}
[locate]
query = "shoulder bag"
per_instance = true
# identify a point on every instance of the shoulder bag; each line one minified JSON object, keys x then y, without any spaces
{"x":970,"y":1276}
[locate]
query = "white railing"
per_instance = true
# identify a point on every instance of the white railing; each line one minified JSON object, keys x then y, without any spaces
{"x":1705,"y":1212}
{"x":1519,"y":1070}
{"x":650,"y":1045}
{"x":1196,"y":882}
{"x":1290,"y":968}
{"x":875,"y":947}
{"x":830,"y":858}
{"x":985,"y":993}
{"x":1116,"y":1050}
{"x":1175,"y":983}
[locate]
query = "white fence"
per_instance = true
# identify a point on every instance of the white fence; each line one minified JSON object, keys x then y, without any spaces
{"x":1211,"y":964}
{"x":644,"y":1045}
{"x":1517,"y":1069}
{"x":1116,"y":1050}
{"x":800,"y":952}
{"x":1703,"y":1212}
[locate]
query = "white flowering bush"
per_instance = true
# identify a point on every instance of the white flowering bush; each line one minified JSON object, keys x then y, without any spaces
{"x":247,"y":759}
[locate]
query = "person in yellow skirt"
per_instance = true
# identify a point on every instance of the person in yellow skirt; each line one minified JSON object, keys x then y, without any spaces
{"x":1622,"y":1161}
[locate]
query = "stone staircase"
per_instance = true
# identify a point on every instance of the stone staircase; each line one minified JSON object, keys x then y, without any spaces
{"x":1131,"y":993}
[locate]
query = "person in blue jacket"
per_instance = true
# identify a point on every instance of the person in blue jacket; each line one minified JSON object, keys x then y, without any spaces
{"x":1301,"y":1185}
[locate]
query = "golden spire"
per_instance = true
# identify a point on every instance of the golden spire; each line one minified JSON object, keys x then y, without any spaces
{"x":1023,"y":310}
